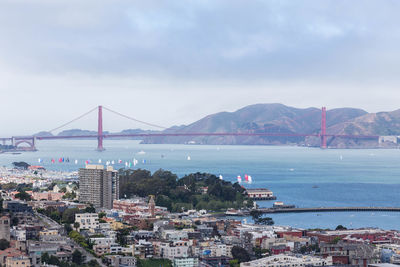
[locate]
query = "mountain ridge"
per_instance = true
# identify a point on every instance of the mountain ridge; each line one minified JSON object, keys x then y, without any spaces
{"x":278,"y":118}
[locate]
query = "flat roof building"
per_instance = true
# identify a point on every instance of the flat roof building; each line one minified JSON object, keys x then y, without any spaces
{"x":98,"y":186}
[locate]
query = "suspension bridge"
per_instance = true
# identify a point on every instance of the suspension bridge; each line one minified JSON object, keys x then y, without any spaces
{"x":28,"y":143}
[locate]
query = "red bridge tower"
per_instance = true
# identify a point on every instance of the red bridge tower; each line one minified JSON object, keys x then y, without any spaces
{"x":323,"y":128}
{"x":100,"y":130}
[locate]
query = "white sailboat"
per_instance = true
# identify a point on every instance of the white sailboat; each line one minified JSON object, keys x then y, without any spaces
{"x":220,"y":177}
{"x":188,"y":158}
{"x":239,"y":179}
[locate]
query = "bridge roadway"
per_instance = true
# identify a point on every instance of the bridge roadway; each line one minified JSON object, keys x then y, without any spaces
{"x":202,"y":134}
{"x":330,"y":209}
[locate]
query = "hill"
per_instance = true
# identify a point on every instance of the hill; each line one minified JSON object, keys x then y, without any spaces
{"x":278,"y":118}
{"x":260,"y":118}
{"x":186,"y":192}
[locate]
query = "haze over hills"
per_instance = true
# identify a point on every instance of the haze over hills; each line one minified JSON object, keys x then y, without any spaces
{"x":277,"y":118}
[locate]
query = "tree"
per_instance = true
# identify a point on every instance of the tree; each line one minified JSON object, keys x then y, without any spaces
{"x":69,"y":195}
{"x":93,"y":263}
{"x":259,"y":252}
{"x":68,"y":228}
{"x":90,"y":209}
{"x":4,"y":244}
{"x":264,"y":221}
{"x":63,"y":190}
{"x":234,"y":263}
{"x":9,"y":186}
{"x":45,"y":258}
{"x":51,"y":186}
{"x":76,"y":225}
{"x":77,"y":257}
{"x":22,"y":195}
{"x":21,"y":165}
{"x":68,"y":215}
{"x":14,"y":221}
{"x":102,"y":214}
{"x":340,"y":227}
{"x":255,"y":214}
{"x":240,"y":254}
{"x":53,"y":260}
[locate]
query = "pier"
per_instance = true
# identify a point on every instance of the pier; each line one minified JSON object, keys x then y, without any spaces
{"x":329,"y":209}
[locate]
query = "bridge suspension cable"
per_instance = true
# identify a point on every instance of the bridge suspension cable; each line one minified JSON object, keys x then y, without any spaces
{"x":133,"y":119}
{"x":77,"y":118}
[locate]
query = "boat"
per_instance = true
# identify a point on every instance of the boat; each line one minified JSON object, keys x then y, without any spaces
{"x":141,"y":152}
{"x":315,"y":186}
{"x":188,"y":158}
{"x":248,"y":179}
{"x":220,"y":177}
{"x":239,"y":179}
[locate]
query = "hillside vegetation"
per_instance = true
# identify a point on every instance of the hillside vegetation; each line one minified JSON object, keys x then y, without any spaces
{"x":183,"y":193}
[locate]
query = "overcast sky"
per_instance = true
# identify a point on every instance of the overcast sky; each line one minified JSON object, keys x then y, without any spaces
{"x":173,"y":62}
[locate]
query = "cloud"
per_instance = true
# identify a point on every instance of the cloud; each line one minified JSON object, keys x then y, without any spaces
{"x":177,"y":39}
{"x":258,"y":51}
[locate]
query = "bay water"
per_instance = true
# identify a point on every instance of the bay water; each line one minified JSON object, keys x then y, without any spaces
{"x":305,"y":177}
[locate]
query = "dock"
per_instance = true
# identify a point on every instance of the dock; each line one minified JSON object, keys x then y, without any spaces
{"x":329,"y":209}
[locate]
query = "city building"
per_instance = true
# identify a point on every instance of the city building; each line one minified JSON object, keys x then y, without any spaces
{"x":185,"y":262}
{"x":88,"y":221}
{"x":121,"y":261}
{"x":5,"y":228}
{"x":171,"y":250}
{"x":284,"y":260}
{"x":260,"y":194}
{"x":98,"y":186}
{"x":355,"y":254}
{"x":16,"y":206}
{"x":18,"y":261}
